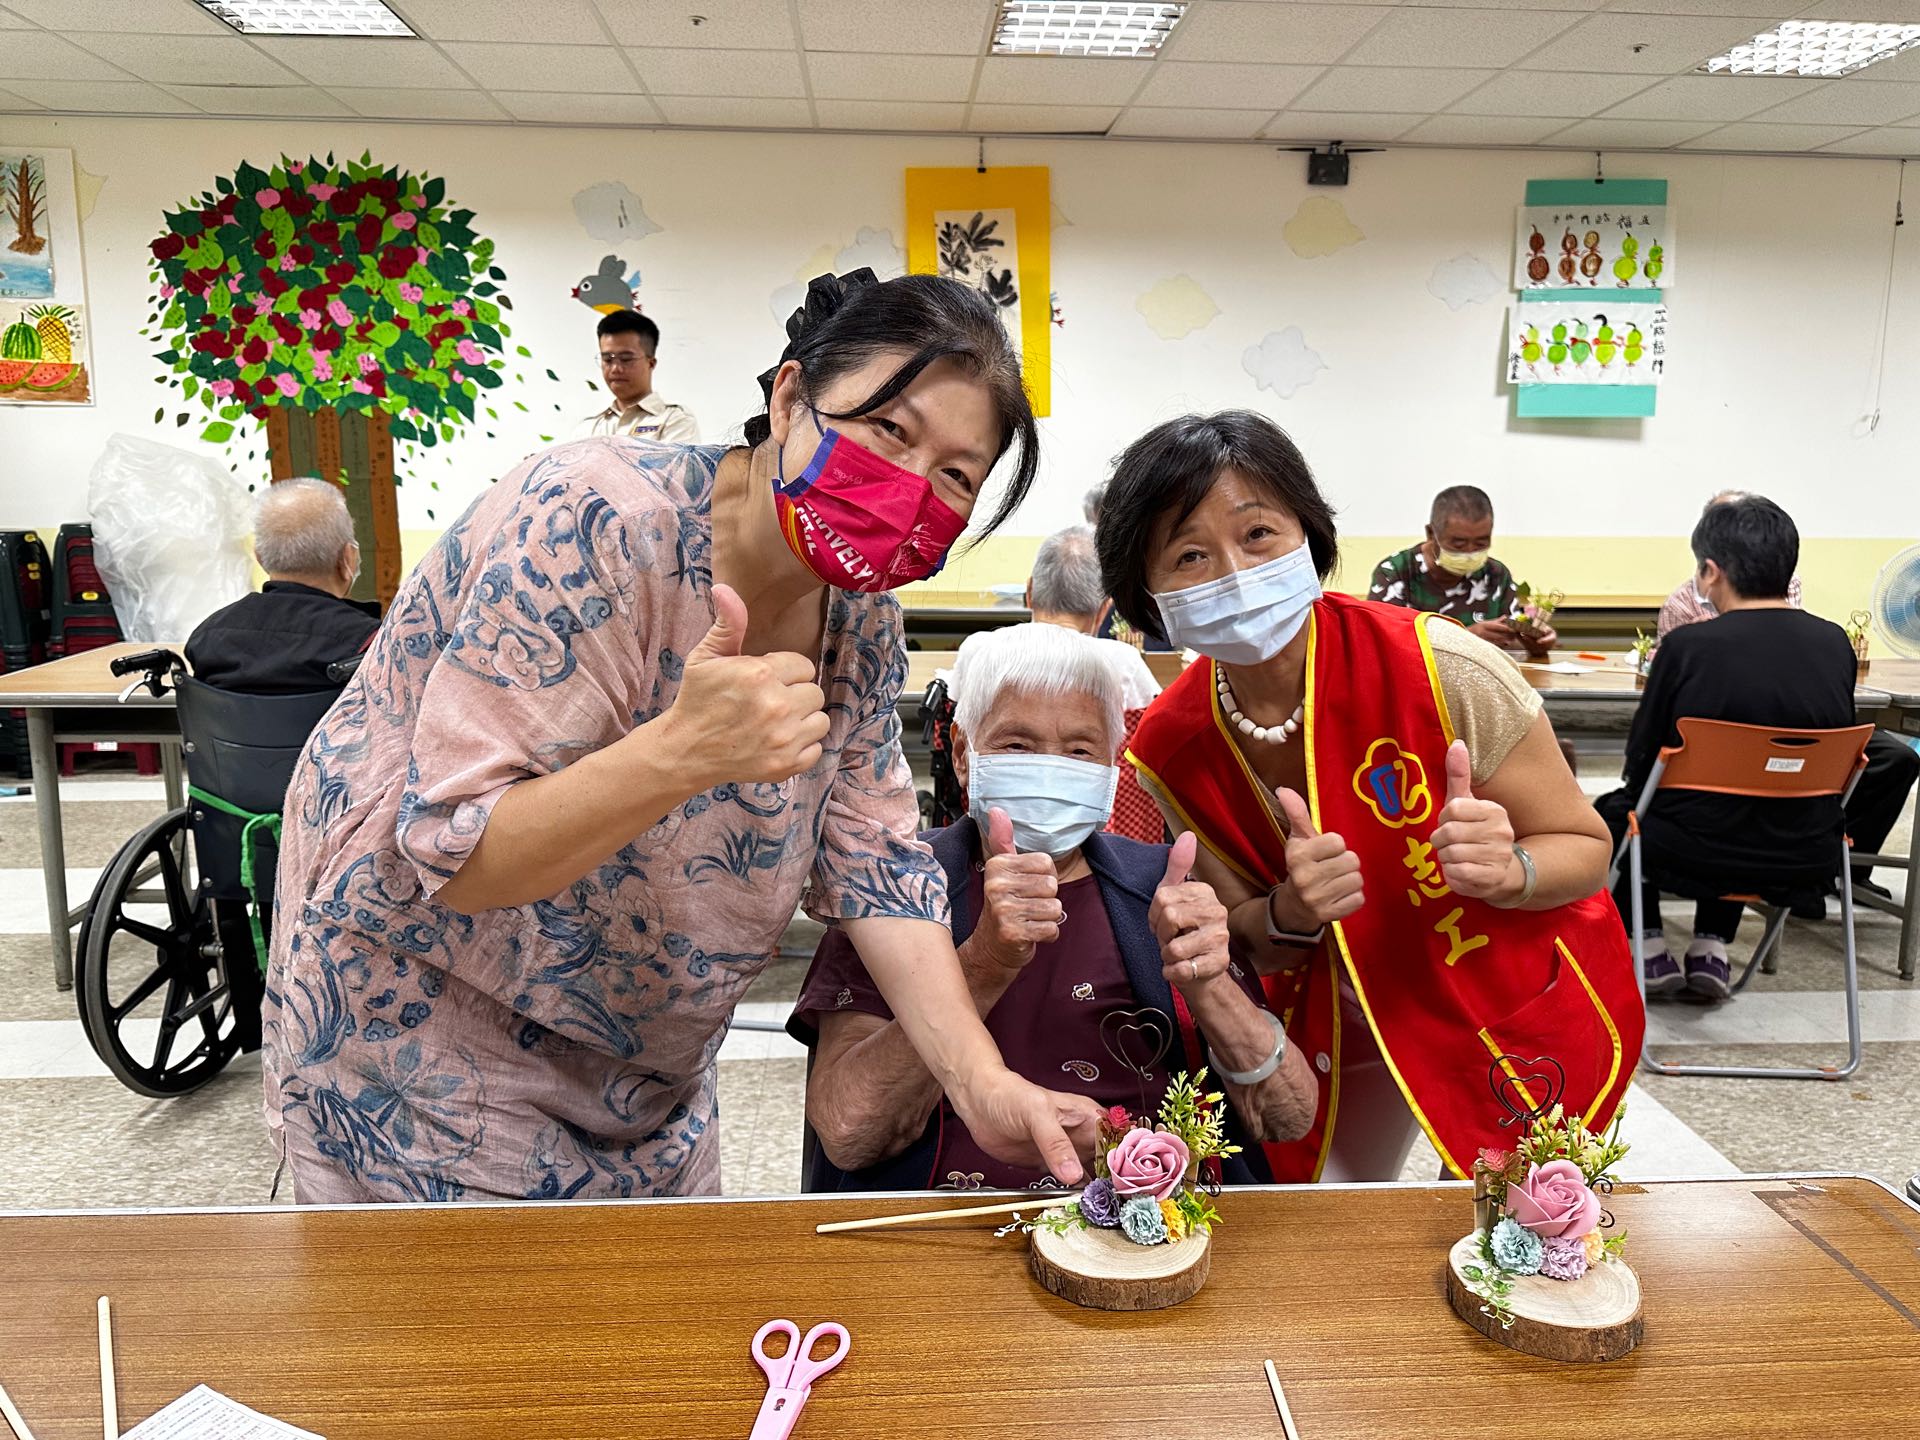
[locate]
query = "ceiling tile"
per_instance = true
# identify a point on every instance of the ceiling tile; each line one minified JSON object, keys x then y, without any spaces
{"x":1885,"y":12}
{"x":1321,"y":127}
{"x":11,"y":101}
{"x":409,"y":104}
{"x":840,"y":76}
{"x":1629,"y":134}
{"x":38,"y":55}
{"x":346,"y":60}
{"x":1770,"y":11}
{"x":294,"y":100}
{"x":576,"y":107}
{"x":188,"y":59}
{"x":1846,"y":103}
{"x":1457,"y":37}
{"x":10,"y":21}
{"x":1376,"y":89}
{"x":1281,"y":34}
{"x":1547,"y":92}
{"x":556,"y":22}
{"x":1189,"y":123}
{"x":1059,"y":80}
{"x":1482,"y":130}
{"x":1604,"y":43}
{"x":148,"y":19}
{"x":1712,"y":97}
{"x":705,"y":110}
{"x":1176,"y":82}
{"x":1044,"y":119}
{"x":736,"y":25}
{"x":113,"y":97}
{"x":1904,"y":67}
{"x":541,"y":67}
{"x":1750,"y":135}
{"x":1507,"y":4}
{"x":889,"y":114}
{"x":925,"y":27}
{"x":718,"y":72}
{"x":1893,"y":140}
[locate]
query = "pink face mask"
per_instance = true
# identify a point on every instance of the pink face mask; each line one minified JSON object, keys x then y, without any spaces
{"x":860,"y":522}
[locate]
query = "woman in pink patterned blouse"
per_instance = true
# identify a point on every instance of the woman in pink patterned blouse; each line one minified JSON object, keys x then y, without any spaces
{"x":634,"y":704}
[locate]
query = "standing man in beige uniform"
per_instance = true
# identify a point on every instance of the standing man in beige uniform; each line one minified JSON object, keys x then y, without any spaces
{"x":629,"y":349}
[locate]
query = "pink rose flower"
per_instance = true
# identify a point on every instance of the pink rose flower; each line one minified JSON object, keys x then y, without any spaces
{"x":323,"y":192}
{"x":411,"y":293}
{"x":166,"y":292}
{"x":1147,"y":1162}
{"x":403,"y":221}
{"x":367,"y":363}
{"x":233,"y":284}
{"x":289,"y":384}
{"x":294,"y":167}
{"x":457,"y":376}
{"x":338,"y":312}
{"x":360,"y":387}
{"x":266,"y":199}
{"x":424,"y":254}
{"x":469,"y":351}
{"x":1554,"y":1200}
{"x":221,"y":388}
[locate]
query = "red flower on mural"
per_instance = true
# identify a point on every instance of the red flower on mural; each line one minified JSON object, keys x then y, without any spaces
{"x":302,"y":253}
{"x":167,"y":246}
{"x":324,"y":233}
{"x":366,"y":230}
{"x":254,"y":352}
{"x":341,"y":271}
{"x":264,"y":247}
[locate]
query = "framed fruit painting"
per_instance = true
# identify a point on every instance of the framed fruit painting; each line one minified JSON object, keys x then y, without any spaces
{"x":43,"y":354}
{"x":44,"y":342}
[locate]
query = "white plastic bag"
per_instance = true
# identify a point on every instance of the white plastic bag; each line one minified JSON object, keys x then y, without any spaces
{"x":169,"y":535}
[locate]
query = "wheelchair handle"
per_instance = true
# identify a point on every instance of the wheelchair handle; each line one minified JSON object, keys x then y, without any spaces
{"x":341,"y":671}
{"x":152,"y":660}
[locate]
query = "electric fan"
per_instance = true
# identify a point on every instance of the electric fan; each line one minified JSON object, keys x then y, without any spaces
{"x":1896,"y":603}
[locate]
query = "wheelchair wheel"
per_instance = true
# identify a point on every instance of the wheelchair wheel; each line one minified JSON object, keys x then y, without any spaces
{"x":153,"y":993}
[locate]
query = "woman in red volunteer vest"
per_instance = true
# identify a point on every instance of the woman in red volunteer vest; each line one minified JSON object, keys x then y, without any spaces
{"x":1382,"y":805}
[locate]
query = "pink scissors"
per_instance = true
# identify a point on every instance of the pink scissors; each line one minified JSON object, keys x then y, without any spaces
{"x":790,"y":1376}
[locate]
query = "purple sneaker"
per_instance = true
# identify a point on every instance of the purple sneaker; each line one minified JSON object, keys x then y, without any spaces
{"x":1709,"y":974}
{"x":1663,"y":975}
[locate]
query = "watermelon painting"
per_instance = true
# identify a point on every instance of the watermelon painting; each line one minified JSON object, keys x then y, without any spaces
{"x":43,"y":355}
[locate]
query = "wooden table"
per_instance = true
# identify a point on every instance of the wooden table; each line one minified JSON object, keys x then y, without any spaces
{"x":75,"y":701}
{"x":1774,"y":1307}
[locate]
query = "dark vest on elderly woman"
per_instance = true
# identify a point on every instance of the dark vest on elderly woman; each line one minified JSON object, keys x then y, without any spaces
{"x":1126,"y":874}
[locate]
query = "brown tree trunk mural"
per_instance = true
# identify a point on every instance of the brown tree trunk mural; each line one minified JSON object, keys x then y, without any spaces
{"x":26,"y":202}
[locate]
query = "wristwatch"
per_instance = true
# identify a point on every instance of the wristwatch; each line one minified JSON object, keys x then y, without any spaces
{"x":1266,"y":1067}
{"x":1290,"y":937}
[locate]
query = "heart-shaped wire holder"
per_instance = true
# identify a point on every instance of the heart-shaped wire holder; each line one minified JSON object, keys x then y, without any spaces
{"x":1138,"y":1040}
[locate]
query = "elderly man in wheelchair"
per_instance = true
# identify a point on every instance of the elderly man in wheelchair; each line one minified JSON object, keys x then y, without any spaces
{"x":173,"y":946}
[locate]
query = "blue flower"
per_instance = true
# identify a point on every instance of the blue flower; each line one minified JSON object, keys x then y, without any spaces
{"x":1142,"y":1222}
{"x":1517,"y":1249}
{"x":1099,"y":1206}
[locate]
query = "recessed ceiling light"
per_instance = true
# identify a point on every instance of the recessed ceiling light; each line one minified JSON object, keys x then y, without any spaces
{"x":307,"y":17}
{"x":1082,"y":27}
{"x":1825,"y":48}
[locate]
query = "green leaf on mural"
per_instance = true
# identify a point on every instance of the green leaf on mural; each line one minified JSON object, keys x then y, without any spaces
{"x":217,"y":433}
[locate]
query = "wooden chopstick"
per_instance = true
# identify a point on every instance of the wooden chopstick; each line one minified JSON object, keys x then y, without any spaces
{"x":1280,"y":1400}
{"x":12,"y":1414}
{"x":1035,"y":1202}
{"x":109,"y":1395}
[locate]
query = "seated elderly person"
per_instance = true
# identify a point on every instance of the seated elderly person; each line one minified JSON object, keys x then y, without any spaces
{"x":1066,"y":589}
{"x":1058,"y":928}
{"x":281,"y":640}
{"x":1453,"y":573}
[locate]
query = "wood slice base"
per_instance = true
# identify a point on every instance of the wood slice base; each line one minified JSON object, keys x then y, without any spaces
{"x":1596,"y":1317}
{"x":1103,"y":1270}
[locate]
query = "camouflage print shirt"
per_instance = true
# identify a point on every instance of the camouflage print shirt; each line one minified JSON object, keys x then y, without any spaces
{"x":1406,"y":579}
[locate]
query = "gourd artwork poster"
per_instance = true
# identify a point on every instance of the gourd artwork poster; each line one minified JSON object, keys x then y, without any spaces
{"x":1607,"y":236}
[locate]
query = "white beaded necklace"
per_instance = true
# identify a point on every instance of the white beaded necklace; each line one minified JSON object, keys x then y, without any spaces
{"x":1277,"y":735}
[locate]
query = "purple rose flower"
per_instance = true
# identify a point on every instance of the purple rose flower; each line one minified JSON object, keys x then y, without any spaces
{"x":1099,"y":1205}
{"x":1565,"y":1258}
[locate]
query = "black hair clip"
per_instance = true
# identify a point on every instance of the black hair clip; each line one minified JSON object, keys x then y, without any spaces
{"x":825,"y":295}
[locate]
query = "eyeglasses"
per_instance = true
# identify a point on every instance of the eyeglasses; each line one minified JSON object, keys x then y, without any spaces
{"x":622,"y":360}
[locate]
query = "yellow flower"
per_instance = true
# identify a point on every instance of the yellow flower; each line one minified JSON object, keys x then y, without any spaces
{"x":1176,"y":1221}
{"x":1596,"y":1247}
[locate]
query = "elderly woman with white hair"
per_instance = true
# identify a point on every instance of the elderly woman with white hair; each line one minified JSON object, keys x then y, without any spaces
{"x":281,"y":640}
{"x":1057,"y":927}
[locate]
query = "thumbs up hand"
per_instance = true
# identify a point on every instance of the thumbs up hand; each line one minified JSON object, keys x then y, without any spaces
{"x":1322,"y":873}
{"x":1022,"y":909}
{"x":745,"y":717}
{"x":1189,"y":921}
{"x":1474,"y":840}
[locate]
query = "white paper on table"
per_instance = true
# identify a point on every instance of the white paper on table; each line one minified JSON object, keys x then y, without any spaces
{"x":1557,"y":667}
{"x":205,"y":1414}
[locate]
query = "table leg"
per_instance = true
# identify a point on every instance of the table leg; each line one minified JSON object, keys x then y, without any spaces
{"x":53,"y":846}
{"x":1910,"y":914}
{"x":171,"y":774}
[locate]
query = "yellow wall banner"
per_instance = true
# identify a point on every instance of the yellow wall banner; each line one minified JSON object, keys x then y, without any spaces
{"x":992,"y":229}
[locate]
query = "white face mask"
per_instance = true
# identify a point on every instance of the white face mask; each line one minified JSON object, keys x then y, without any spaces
{"x":1462,"y":562}
{"x":1247,"y":617}
{"x":1054,"y":803}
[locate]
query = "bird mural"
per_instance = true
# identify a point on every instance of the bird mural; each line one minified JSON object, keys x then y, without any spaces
{"x":609,"y":288}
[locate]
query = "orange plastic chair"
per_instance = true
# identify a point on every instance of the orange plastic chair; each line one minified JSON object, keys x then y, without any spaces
{"x":1721,"y":757}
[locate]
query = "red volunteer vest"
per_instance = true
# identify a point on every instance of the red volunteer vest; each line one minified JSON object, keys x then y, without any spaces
{"x":1447,"y":983}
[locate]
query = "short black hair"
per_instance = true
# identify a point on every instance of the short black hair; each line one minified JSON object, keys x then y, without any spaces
{"x":1171,"y":468}
{"x":1753,"y":541}
{"x":631,"y":322}
{"x":1469,"y":502}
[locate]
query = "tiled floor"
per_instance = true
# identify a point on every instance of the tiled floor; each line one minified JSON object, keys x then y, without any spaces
{"x":72,"y":1136}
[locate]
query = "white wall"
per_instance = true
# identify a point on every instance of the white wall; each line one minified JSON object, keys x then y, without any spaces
{"x":1785,"y":261}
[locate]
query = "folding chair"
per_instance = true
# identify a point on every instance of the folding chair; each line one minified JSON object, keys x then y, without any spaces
{"x":1724,"y":758}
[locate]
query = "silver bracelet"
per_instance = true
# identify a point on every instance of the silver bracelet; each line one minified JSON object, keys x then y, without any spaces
{"x":1266,"y":1067}
{"x":1533,"y":876}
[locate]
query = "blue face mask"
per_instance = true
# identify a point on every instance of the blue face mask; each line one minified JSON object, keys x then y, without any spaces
{"x":1054,"y":803}
{"x":1247,"y":617}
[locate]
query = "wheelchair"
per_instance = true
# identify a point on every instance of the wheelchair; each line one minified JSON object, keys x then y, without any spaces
{"x":172,"y":952}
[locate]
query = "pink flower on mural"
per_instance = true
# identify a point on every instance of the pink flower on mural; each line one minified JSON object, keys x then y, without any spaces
{"x":404,"y":221}
{"x":462,"y":307}
{"x":266,"y":199}
{"x":287,"y":262}
{"x":337,"y":312}
{"x":289,"y":384}
{"x":411,"y":293}
{"x":222,"y":388}
{"x":424,"y":254}
{"x":322,"y":367}
{"x":166,"y":292}
{"x":360,"y":387}
{"x":323,"y":192}
{"x":233,"y":284}
{"x":470,"y":352}
{"x":457,"y":376}
{"x":309,"y":319}
{"x":367,"y":363}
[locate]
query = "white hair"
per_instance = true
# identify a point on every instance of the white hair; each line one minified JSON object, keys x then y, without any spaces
{"x":1037,"y":658}
{"x":300,"y":527}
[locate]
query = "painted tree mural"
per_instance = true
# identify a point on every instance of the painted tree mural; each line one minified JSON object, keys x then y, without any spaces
{"x":25,"y":200}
